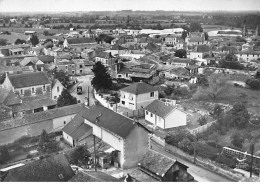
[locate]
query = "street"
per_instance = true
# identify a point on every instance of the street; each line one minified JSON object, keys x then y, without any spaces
{"x":85,"y":82}
{"x":200,"y":174}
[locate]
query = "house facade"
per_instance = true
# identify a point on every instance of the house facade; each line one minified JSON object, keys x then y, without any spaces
{"x":127,"y":137}
{"x":56,"y":90}
{"x":165,"y":115}
{"x":138,"y":96}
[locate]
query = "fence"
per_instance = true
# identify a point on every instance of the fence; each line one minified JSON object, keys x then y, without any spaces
{"x":202,"y":128}
{"x":104,"y":102}
{"x":134,"y":113}
{"x":157,"y":140}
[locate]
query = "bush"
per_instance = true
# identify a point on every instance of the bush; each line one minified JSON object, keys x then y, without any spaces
{"x":186,"y":145}
{"x":253,"y":84}
{"x":237,"y":140}
{"x":207,"y":151}
{"x":230,"y":162}
{"x":52,"y":146}
{"x":29,"y":156}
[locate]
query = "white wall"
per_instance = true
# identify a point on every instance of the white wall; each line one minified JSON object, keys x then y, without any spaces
{"x":175,"y":119}
{"x":59,"y":123}
{"x":145,"y":99}
{"x":109,"y":138}
{"x":248,"y":57}
{"x":156,"y":120}
{"x":67,"y":138}
{"x":128,"y":98}
{"x":194,"y":55}
{"x":55,"y":92}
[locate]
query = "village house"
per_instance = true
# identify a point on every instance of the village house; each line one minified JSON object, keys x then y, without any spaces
{"x":195,"y":40}
{"x":105,"y":58}
{"x":79,"y":42}
{"x":201,"y":52}
{"x":67,"y":66}
{"x":56,"y":89}
{"x":248,"y":56}
{"x":138,"y":96}
{"x":178,"y":73}
{"x":143,"y":72}
{"x":32,"y":124}
{"x":88,"y":54}
{"x":165,"y":114}
{"x":155,"y":167}
{"x":179,"y":62}
{"x":14,"y":50}
{"x":50,"y":169}
{"x":128,"y":137}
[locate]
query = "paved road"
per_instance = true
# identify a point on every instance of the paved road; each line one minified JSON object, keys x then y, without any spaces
{"x":200,"y":174}
{"x":85,"y":82}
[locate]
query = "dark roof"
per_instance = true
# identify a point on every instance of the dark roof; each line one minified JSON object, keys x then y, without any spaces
{"x":46,"y":58}
{"x":29,"y":103}
{"x":117,"y":47}
{"x":196,"y":39}
{"x":105,"y":55}
{"x":203,"y":48}
{"x":80,"y":40}
{"x":109,"y":120}
{"x":29,"y":79}
{"x":3,"y":94}
{"x":156,"y":163}
{"x":52,"y":169}
{"x":159,"y":108}
{"x":139,"y":88}
{"x":142,"y":176}
{"x":152,"y":47}
{"x":76,"y":127}
{"x":12,"y":99}
{"x":92,"y":176}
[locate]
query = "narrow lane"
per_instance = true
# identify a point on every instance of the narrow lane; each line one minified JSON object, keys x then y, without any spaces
{"x":200,"y":174}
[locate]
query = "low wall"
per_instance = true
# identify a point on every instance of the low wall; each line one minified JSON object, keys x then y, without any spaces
{"x":202,"y":128}
{"x":104,"y":102}
{"x":205,"y":163}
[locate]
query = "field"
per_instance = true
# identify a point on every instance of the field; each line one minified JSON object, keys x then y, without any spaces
{"x":207,"y":27}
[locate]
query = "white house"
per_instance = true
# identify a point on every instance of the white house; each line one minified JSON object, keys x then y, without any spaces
{"x":56,"y":90}
{"x":138,"y":95}
{"x":248,"y":55}
{"x":165,"y":115}
{"x":128,"y":138}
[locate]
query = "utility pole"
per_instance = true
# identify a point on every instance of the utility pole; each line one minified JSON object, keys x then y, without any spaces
{"x":194,"y":149}
{"x":252,"y":158}
{"x":88,"y":96}
{"x":95,"y":163}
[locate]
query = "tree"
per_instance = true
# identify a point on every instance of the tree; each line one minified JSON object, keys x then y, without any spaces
{"x":62,"y":77}
{"x":80,"y":155}
{"x":218,"y":86}
{"x":4,"y":154}
{"x":215,"y":137}
{"x":253,"y":83}
{"x":240,"y":39}
{"x":206,"y":36}
{"x":203,"y":80}
{"x":102,"y":79}
{"x":184,"y":35}
{"x":19,"y":41}
{"x":217,"y":111}
{"x":34,"y":40}
{"x":195,"y":27}
{"x":230,"y":64}
{"x":66,"y":99}
{"x":203,"y":120}
{"x":169,"y":90}
{"x":239,"y":116}
{"x":237,"y":140}
{"x":43,"y":139}
{"x":181,"y":53}
{"x":46,"y":33}
{"x":105,"y":38}
{"x":3,"y":42}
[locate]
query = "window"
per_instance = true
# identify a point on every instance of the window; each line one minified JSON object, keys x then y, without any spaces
{"x":73,"y":72}
{"x":21,"y":91}
{"x":126,"y":74}
{"x":58,"y":89}
{"x":151,"y":114}
{"x":119,"y":76}
{"x":66,"y":67}
{"x":123,"y":102}
{"x":80,"y":66}
{"x":44,"y":88}
{"x":152,"y":94}
{"x":146,"y":112}
{"x":55,"y":97}
{"x":33,"y":90}
{"x":64,"y":122}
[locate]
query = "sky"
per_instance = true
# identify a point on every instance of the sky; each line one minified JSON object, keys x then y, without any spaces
{"x":114,"y":5}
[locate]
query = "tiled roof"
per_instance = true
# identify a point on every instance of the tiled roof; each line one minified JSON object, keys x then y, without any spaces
{"x":80,"y":40}
{"x":105,"y":55}
{"x":3,"y":94}
{"x":117,"y":47}
{"x":142,"y":176}
{"x":180,"y":71}
{"x":12,"y":99}
{"x":196,"y":39}
{"x":93,"y":176}
{"x":51,"y":169}
{"x":46,"y":58}
{"x":29,"y":104}
{"x":159,"y":108}
{"x":109,"y":120}
{"x":139,"y":88}
{"x":26,"y":60}
{"x":15,"y":46}
{"x":156,"y":163}
{"x":152,"y":47}
{"x":203,"y":48}
{"x":29,"y":79}
{"x":78,"y":120}
{"x":41,"y":116}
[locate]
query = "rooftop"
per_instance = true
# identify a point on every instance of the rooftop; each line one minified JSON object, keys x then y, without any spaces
{"x":93,"y":176}
{"x":29,"y":79}
{"x":159,"y":108}
{"x":139,"y":88}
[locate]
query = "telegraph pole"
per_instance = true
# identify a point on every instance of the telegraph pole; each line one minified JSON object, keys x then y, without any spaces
{"x":88,"y":96}
{"x":252,"y":158}
{"x":95,"y":163}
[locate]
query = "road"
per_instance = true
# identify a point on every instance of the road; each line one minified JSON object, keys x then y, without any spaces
{"x":85,"y":82}
{"x":200,"y":174}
